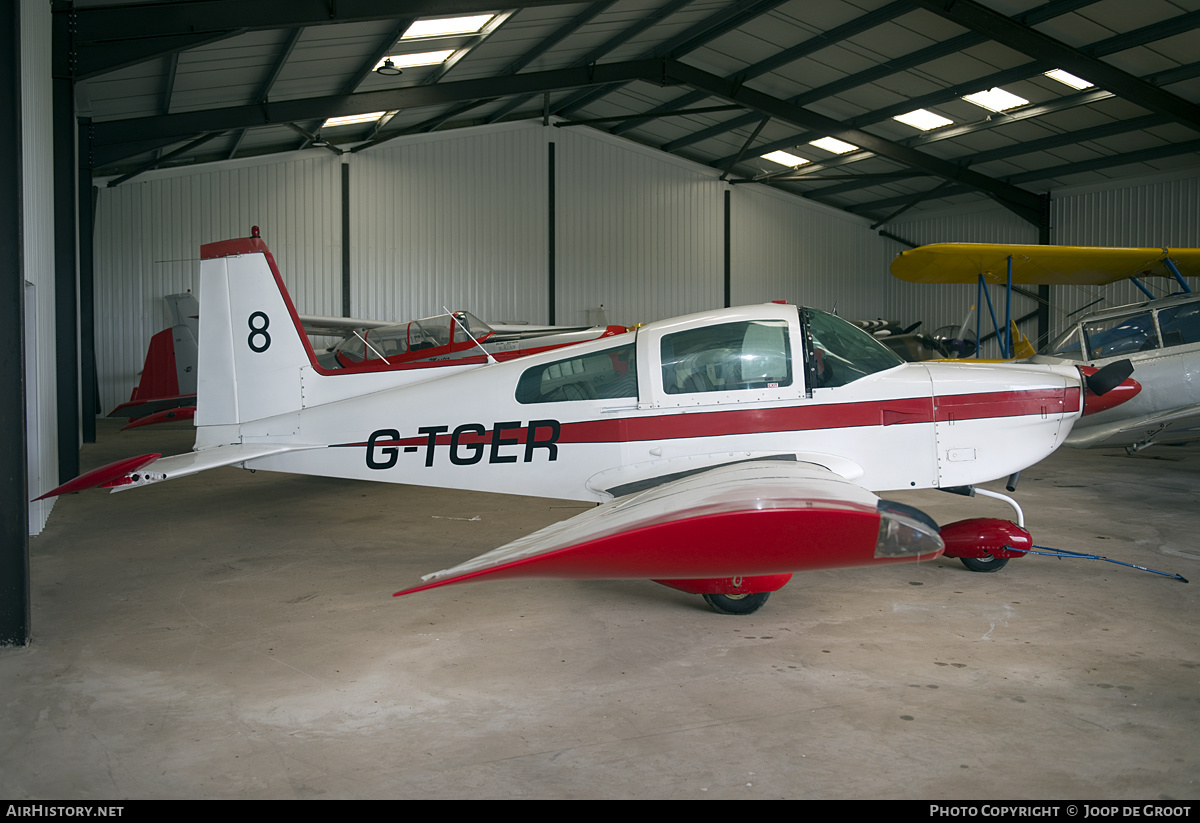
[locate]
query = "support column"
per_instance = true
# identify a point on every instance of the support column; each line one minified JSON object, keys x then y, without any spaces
{"x":550,"y":284}
{"x":14,"y":491}
{"x":1043,"y":306}
{"x":89,"y":387}
{"x":66,"y":281}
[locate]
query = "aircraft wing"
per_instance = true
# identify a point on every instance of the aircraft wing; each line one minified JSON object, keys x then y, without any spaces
{"x":1038,"y":265}
{"x":320,"y":324}
{"x":747,"y":518}
{"x":154,"y":468}
{"x":1173,"y":426}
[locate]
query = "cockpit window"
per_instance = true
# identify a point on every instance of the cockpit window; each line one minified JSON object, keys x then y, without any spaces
{"x":598,"y":375}
{"x":1180,"y":324}
{"x":1120,"y":335}
{"x":727,"y":357}
{"x":1067,"y":345}
{"x":842,"y":353}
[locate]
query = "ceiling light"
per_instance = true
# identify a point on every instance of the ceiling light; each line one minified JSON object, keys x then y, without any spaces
{"x":351,"y":119}
{"x":923,"y":120}
{"x":1068,"y":78}
{"x":422,"y":58}
{"x":832,"y":144}
{"x":784,"y":159}
{"x":996,"y":99}
{"x":388,"y":68}
{"x":447,"y":26}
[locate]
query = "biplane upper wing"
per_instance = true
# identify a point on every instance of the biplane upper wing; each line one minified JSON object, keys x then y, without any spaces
{"x":749,"y":518}
{"x":1038,"y":265}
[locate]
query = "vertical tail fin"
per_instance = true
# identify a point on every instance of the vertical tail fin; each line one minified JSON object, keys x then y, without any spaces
{"x":252,"y":347}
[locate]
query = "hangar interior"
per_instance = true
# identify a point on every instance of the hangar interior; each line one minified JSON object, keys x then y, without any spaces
{"x":230,"y":637}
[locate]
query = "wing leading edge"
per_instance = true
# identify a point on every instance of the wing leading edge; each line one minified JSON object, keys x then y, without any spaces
{"x":756,"y":518}
{"x":1035,"y":265}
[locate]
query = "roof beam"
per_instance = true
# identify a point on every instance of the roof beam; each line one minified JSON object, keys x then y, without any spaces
{"x":1097,"y":164}
{"x":1018,"y":36}
{"x":1024,"y":203}
{"x":858,"y":25}
{"x":187,"y":124}
{"x":1147,"y":34}
{"x":692,"y":38}
{"x":115,"y":36}
{"x":619,"y":39}
{"x":878,"y":72}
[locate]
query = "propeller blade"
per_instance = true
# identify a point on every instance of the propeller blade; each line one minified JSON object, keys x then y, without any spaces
{"x":1109,"y":377}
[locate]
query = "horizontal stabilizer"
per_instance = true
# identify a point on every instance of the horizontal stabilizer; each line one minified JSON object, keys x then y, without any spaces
{"x":152,"y":468}
{"x":758,"y":518}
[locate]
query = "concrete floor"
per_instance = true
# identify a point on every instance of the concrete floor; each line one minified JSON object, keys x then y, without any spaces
{"x":233,"y":635}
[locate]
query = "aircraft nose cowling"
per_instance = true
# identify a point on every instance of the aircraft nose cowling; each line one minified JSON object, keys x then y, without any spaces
{"x":1108,"y":398}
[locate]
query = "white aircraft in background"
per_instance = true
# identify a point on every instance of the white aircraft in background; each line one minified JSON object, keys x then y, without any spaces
{"x":726,"y":449}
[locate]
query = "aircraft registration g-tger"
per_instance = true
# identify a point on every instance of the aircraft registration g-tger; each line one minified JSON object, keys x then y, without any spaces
{"x":726,"y":449}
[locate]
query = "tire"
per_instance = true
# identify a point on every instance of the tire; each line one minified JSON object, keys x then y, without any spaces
{"x":984,"y":564}
{"x":736,"y":603}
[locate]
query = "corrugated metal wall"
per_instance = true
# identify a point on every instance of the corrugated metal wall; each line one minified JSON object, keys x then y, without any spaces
{"x":149,"y":232}
{"x":461,"y":220}
{"x":454,"y":220}
{"x":638,"y":233}
{"x":38,"y":204}
{"x":786,"y":248}
{"x":1162,"y":212}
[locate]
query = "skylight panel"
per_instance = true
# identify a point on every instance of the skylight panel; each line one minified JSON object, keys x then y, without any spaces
{"x":832,"y":144}
{"x":923,"y":119}
{"x":351,"y":119}
{"x":447,"y":26}
{"x":784,"y":159}
{"x":1069,"y":79}
{"x":996,"y":99}
{"x":422,"y":58}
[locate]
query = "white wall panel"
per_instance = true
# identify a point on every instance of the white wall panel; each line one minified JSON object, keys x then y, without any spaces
{"x":786,"y":248}
{"x":1163,"y":212}
{"x":38,"y":217}
{"x":148,"y":236}
{"x":637,"y":232}
{"x":456,"y":220}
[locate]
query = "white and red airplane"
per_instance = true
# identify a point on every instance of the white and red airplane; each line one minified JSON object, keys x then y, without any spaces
{"x":727,"y":449}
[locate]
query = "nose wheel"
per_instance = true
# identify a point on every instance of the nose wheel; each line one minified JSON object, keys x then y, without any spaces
{"x":736,"y":603}
{"x":984,"y":564}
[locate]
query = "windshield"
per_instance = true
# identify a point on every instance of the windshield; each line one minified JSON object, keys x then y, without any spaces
{"x":1120,"y":335}
{"x":1067,"y":345}
{"x":841,"y":352}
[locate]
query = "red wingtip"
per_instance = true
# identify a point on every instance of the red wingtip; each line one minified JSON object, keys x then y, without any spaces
{"x":164,"y":416}
{"x":102,"y":476}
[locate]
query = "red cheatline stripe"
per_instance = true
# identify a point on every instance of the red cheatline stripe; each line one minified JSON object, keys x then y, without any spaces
{"x":789,"y":418}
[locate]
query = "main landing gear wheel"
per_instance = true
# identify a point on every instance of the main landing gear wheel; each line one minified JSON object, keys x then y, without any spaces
{"x":736,"y":603}
{"x":984,"y":564}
